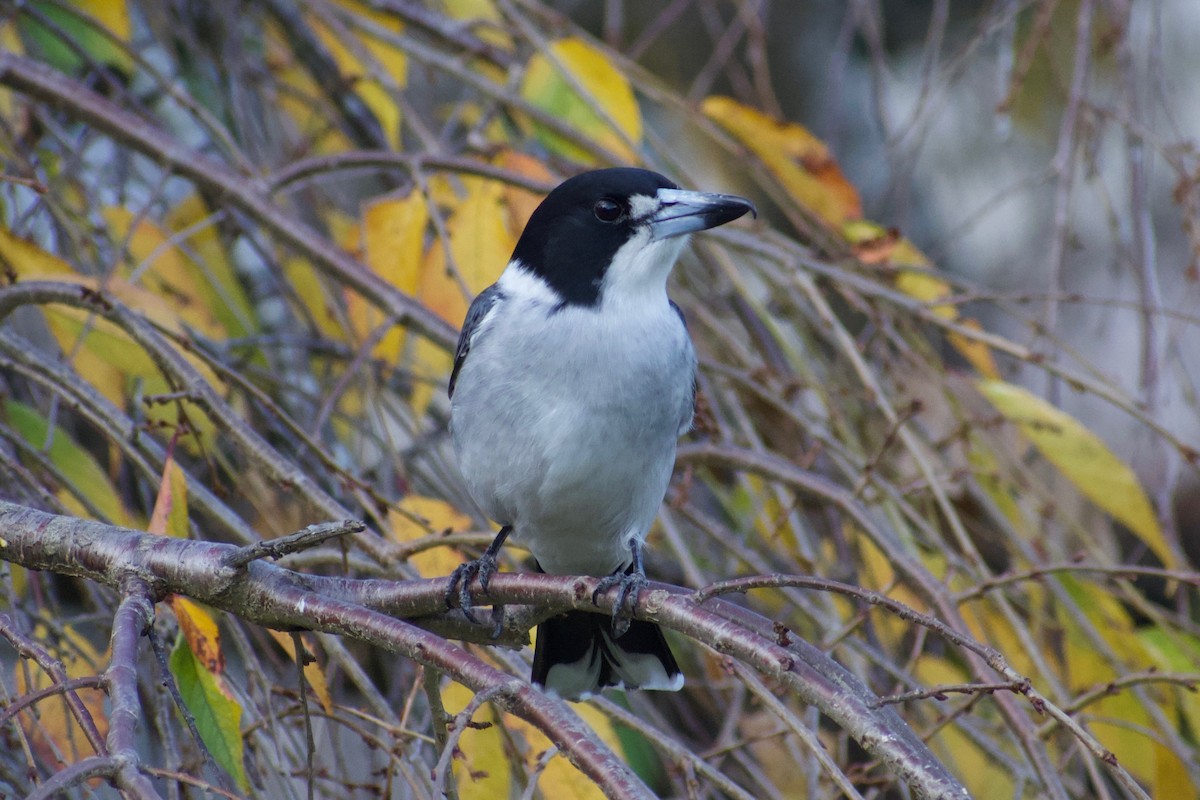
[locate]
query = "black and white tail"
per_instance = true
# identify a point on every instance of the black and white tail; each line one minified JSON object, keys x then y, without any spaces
{"x":577,"y":655}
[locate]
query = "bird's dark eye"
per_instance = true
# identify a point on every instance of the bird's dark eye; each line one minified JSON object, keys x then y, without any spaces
{"x":607,"y":210}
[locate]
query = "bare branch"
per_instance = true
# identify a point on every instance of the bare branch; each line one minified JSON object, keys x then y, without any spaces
{"x":268,"y":595}
{"x":244,"y":192}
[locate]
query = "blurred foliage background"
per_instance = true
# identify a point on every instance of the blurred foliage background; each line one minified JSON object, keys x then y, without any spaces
{"x":967,"y":312}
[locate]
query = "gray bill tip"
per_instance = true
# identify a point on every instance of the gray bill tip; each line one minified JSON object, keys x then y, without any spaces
{"x":686,"y":212}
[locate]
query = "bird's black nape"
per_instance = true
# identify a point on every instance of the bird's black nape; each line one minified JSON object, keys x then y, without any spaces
{"x":569,"y":243}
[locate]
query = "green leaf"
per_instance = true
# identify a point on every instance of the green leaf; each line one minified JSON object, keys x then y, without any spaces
{"x":87,"y":44}
{"x":218,"y":716}
{"x":78,"y":467}
{"x":545,"y":87}
{"x":1175,"y":651}
{"x":1084,"y":460}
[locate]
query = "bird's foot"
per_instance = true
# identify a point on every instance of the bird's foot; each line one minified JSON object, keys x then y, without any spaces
{"x":629,"y":587}
{"x":460,"y":582}
{"x":482,"y":568}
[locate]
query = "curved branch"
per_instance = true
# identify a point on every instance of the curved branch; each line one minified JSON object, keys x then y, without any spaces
{"x":189,"y":381}
{"x":269,"y":595}
{"x":246,"y":193}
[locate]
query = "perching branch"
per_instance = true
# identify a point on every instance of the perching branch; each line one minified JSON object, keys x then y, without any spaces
{"x":269,"y":595}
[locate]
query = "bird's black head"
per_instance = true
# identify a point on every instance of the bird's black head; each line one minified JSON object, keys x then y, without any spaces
{"x":608,"y":231}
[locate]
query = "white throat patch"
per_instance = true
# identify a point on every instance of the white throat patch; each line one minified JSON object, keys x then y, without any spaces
{"x":519,"y":283}
{"x":639,"y":271}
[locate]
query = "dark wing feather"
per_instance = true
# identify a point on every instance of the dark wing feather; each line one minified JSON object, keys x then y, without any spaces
{"x":685,"y":424}
{"x":480,"y":306}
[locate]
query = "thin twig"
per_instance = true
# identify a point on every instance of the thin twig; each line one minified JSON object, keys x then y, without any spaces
{"x":939,"y":692}
{"x":276,"y":549}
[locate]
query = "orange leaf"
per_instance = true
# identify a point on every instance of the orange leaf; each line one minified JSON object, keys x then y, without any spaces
{"x":978,"y":354}
{"x":200,"y":631}
{"x":878,"y":246}
{"x":170,"y":515}
{"x":521,"y":203}
{"x":800,"y":161}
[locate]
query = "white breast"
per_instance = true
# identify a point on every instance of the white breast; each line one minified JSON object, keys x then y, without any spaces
{"x":565,"y":425}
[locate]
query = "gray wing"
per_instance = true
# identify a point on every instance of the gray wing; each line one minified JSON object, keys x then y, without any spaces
{"x":685,"y":424}
{"x":480,"y":306}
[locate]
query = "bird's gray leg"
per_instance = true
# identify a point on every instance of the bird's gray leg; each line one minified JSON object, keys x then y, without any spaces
{"x":629,"y":583}
{"x":484,"y":567}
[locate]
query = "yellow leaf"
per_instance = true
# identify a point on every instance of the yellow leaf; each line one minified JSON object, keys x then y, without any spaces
{"x":55,"y":730}
{"x":1084,"y":460}
{"x":111,"y":361}
{"x":296,"y":96}
{"x":437,"y":516}
{"x":878,"y":246}
{"x":977,"y":354}
{"x":483,"y":11}
{"x":983,"y":775}
{"x":1174,"y":651}
{"x":545,"y":87}
{"x":200,"y":631}
{"x":217,"y":282}
{"x":800,"y":161}
{"x":772,"y":753}
{"x":1171,"y":777}
{"x":309,"y":287}
{"x":393,"y":241}
{"x":1110,"y":619}
{"x":373,"y":69}
{"x":170,"y":514}
{"x":314,"y":673}
{"x":877,"y":572}
{"x":158,"y":265}
{"x":103,"y":354}
{"x":1087,"y":670}
{"x":560,"y":778}
{"x":986,"y":622}
{"x":26,"y":259}
{"x":484,"y":772}
{"x":106,"y":354}
{"x":481,"y":245}
{"x":10,"y":42}
{"x":928,"y":288}
{"x":1003,"y":493}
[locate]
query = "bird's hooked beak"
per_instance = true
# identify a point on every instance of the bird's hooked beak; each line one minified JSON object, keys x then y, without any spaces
{"x":687,"y":212}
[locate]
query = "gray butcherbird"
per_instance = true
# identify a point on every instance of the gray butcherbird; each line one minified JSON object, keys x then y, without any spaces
{"x":573,"y":378}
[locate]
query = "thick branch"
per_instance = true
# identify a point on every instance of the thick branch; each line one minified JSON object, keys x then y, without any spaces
{"x":269,"y":595}
{"x":134,"y":616}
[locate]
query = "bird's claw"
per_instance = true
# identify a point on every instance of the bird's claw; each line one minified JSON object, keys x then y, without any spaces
{"x":460,"y":584}
{"x":629,"y":588}
{"x":483,"y":568}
